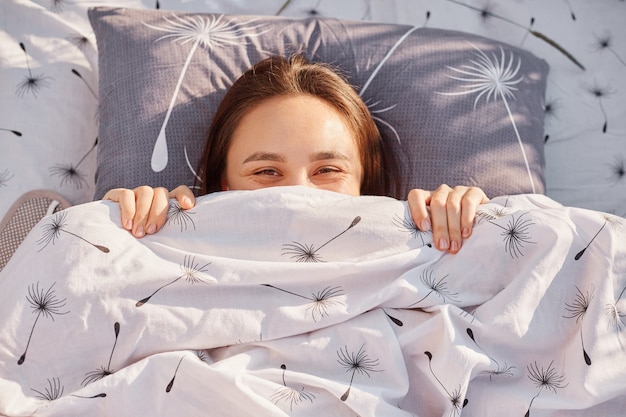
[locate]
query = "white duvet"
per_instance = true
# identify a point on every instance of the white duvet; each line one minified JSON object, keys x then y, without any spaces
{"x":298,"y":302}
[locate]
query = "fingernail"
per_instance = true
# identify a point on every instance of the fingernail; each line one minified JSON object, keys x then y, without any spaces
{"x":425,"y":225}
{"x":129,"y":224}
{"x":140,"y":232}
{"x":443,"y":244}
{"x":151,"y":229}
{"x":455,"y":246}
{"x":186,"y":201}
{"x":466,"y":232}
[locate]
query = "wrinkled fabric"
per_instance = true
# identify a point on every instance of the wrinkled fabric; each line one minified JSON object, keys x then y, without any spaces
{"x":294,"y":301}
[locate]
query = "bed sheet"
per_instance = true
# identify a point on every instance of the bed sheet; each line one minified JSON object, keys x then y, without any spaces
{"x":316,"y":303}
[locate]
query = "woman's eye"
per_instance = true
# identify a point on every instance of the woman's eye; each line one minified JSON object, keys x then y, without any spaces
{"x":269,"y":172}
{"x":327,"y":170}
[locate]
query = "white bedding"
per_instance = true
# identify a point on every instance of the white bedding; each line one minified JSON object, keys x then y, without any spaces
{"x":222,"y":314}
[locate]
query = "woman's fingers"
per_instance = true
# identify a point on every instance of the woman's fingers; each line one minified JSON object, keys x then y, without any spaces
{"x":473,"y":198}
{"x":126,"y":200}
{"x":451,"y":212}
{"x":184,"y":196}
{"x":144,"y":209}
{"x":419,"y":200}
{"x":143,"y":203}
{"x":157,"y":213}
{"x":442,"y":219}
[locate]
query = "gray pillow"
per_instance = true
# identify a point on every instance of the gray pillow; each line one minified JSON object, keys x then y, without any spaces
{"x":457,"y":108}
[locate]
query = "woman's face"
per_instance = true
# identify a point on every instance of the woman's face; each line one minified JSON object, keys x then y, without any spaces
{"x":293,"y":140}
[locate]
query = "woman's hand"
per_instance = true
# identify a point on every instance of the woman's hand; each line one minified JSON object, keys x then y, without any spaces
{"x":144,"y":209}
{"x":452,"y":213}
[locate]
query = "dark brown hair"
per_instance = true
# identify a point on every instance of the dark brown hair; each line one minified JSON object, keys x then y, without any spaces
{"x":278,"y":76}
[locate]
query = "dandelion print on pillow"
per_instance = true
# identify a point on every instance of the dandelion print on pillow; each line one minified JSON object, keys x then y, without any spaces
{"x":211,"y":31}
{"x":492,"y":76}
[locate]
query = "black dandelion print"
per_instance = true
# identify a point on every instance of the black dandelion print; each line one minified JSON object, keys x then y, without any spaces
{"x":577,"y":310}
{"x":56,"y":6}
{"x":101,"y":395}
{"x":515,"y":234}
{"x":501,"y":369}
{"x":600,"y":93}
{"x":493,"y":213}
{"x":427,"y":18}
{"x":528,"y":31}
{"x":438,"y":286}
{"x":283,"y":7}
{"x":103,"y":371}
{"x":608,"y":220}
{"x":486,"y":13}
{"x":321,"y":302}
{"x":407,"y":225}
{"x":32,"y":83}
{"x":314,"y":11}
{"x":52,"y":392}
{"x":202,"y":355}
{"x":179,"y":216}
{"x":393,"y":319}
{"x":301,"y":252}
{"x":170,"y":385}
{"x":571,"y":10}
{"x":290,"y":395}
{"x":544,"y":379}
{"x":354,"y":363}
{"x":192,"y":273}
{"x":15,"y":132}
{"x":308,"y":253}
{"x":70,"y":174}
{"x":471,"y":314}
{"x":79,"y":75}
{"x":5,"y":177}
{"x":241,"y":342}
{"x":455,"y":397}
{"x":550,"y":108}
{"x":53,"y":229}
{"x":605,"y":43}
{"x":618,"y":170}
{"x":43,"y":303}
{"x":616,"y":316}
{"x":82,"y":42}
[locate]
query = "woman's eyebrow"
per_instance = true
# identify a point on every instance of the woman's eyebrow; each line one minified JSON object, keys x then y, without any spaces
{"x":264,"y":156}
{"x":325,"y":155}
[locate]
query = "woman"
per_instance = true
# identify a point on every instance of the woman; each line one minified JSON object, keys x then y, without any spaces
{"x":288,"y":122}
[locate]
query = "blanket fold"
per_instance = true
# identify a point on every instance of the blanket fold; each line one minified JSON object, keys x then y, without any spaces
{"x":301,"y":302}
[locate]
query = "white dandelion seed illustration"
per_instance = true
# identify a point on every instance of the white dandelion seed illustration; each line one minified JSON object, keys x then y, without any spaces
{"x":375,"y":112}
{"x":192,"y":169}
{"x":208,"y":31}
{"x":492,"y":76}
{"x":373,"y":75}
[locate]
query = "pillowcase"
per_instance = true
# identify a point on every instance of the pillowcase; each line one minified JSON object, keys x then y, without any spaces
{"x":456,"y":108}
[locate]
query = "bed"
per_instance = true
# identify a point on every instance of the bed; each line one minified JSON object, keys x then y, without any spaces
{"x":524,"y":99}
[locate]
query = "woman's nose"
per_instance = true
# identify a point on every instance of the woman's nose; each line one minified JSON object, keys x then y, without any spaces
{"x":301,"y":178}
